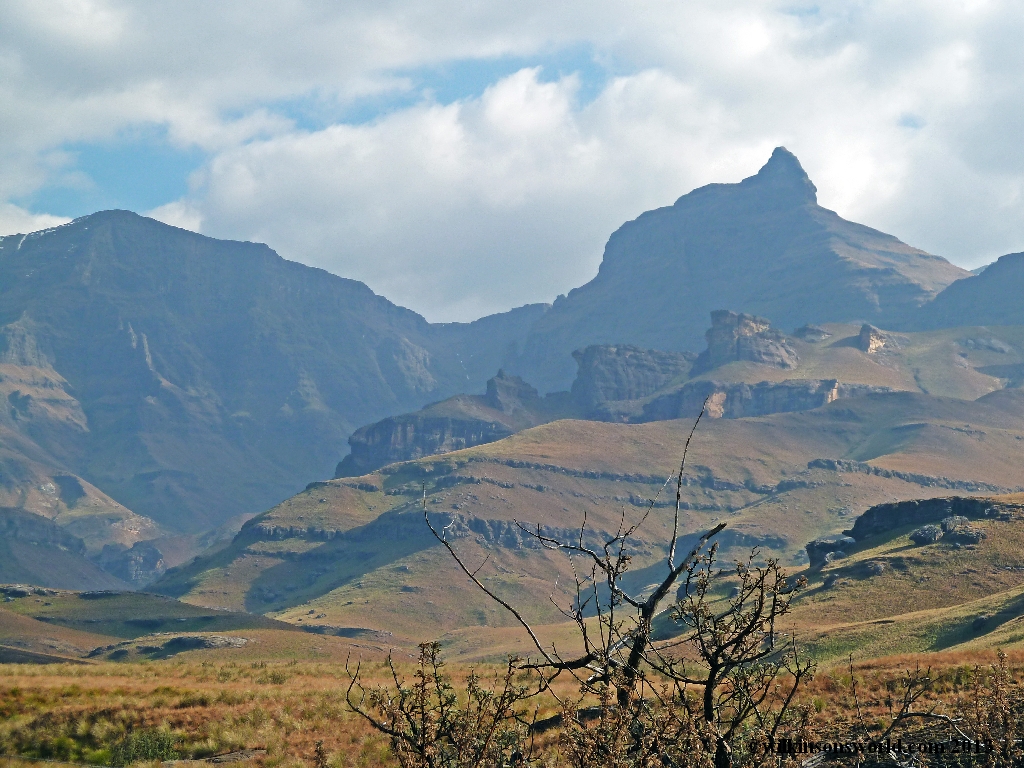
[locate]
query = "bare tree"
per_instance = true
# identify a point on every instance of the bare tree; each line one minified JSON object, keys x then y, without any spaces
{"x":430,"y":727}
{"x":739,"y":660}
{"x":743,"y":674}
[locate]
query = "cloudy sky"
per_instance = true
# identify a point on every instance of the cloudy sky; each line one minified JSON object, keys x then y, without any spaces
{"x":465,"y":157}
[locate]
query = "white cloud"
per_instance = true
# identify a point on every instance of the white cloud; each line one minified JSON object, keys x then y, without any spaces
{"x":16,"y":221}
{"x":907,"y":115}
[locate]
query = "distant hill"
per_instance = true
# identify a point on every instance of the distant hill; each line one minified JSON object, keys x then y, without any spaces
{"x":991,"y":297}
{"x":193,"y":379}
{"x":160,"y":387}
{"x":762,"y":246}
{"x":34,"y":550}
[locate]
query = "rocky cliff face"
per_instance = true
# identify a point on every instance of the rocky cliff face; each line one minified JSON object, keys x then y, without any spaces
{"x":510,"y":404}
{"x":412,"y":436}
{"x":883,"y":518}
{"x":736,"y":336}
{"x":736,"y":400}
{"x":872,"y":340}
{"x":763,"y":246}
{"x":511,"y":395}
{"x":139,"y":565}
{"x":608,"y":373}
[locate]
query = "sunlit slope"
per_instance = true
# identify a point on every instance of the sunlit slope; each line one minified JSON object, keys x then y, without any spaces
{"x":890,"y":595}
{"x":961,"y":362}
{"x":127,"y":614}
{"x":355,"y":554}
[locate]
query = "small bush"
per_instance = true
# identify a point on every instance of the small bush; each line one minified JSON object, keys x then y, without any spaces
{"x":143,"y":745}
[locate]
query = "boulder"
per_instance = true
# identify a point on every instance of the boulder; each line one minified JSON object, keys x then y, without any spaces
{"x":952,"y":522}
{"x":819,"y":549}
{"x":958,"y":531}
{"x":926,"y":534}
{"x":811,"y":333}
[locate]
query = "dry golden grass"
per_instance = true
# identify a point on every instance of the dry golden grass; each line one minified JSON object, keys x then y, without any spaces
{"x":213,"y":707}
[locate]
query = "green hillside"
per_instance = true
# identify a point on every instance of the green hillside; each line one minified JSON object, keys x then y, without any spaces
{"x":354,"y":553}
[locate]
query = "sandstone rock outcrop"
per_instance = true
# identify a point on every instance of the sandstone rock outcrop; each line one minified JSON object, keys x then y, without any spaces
{"x":736,"y":336}
{"x":463,"y":421}
{"x":412,"y":436}
{"x":611,"y":373}
{"x":872,"y":340}
{"x":811,"y":333}
{"x":883,"y":518}
{"x":510,"y":394}
{"x":139,"y":565}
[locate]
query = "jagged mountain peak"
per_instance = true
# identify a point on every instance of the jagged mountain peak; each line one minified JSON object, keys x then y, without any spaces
{"x":762,"y":246}
{"x":784,"y":175}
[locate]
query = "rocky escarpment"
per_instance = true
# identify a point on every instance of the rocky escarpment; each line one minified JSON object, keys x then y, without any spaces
{"x":883,"y":518}
{"x":412,"y":436}
{"x":510,"y":404}
{"x":927,"y":481}
{"x":623,"y":372}
{"x":736,"y":400}
{"x":735,"y":336}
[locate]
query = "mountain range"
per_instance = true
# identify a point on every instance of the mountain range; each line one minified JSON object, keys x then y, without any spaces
{"x":163,"y":387}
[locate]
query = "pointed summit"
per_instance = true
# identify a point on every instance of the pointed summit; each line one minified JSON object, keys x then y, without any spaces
{"x":785,"y":178}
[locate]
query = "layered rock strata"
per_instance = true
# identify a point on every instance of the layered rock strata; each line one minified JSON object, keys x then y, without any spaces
{"x":736,"y":400}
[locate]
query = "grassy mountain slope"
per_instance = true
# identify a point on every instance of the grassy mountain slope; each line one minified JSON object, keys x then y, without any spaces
{"x":356,"y":553}
{"x":36,"y":550}
{"x":925,"y":598}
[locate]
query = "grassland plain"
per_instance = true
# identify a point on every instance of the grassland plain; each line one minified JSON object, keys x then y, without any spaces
{"x":939,"y":605}
{"x":205,"y":705}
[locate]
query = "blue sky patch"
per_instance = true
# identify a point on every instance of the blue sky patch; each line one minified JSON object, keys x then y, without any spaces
{"x":453,"y":81}
{"x":137,"y":170}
